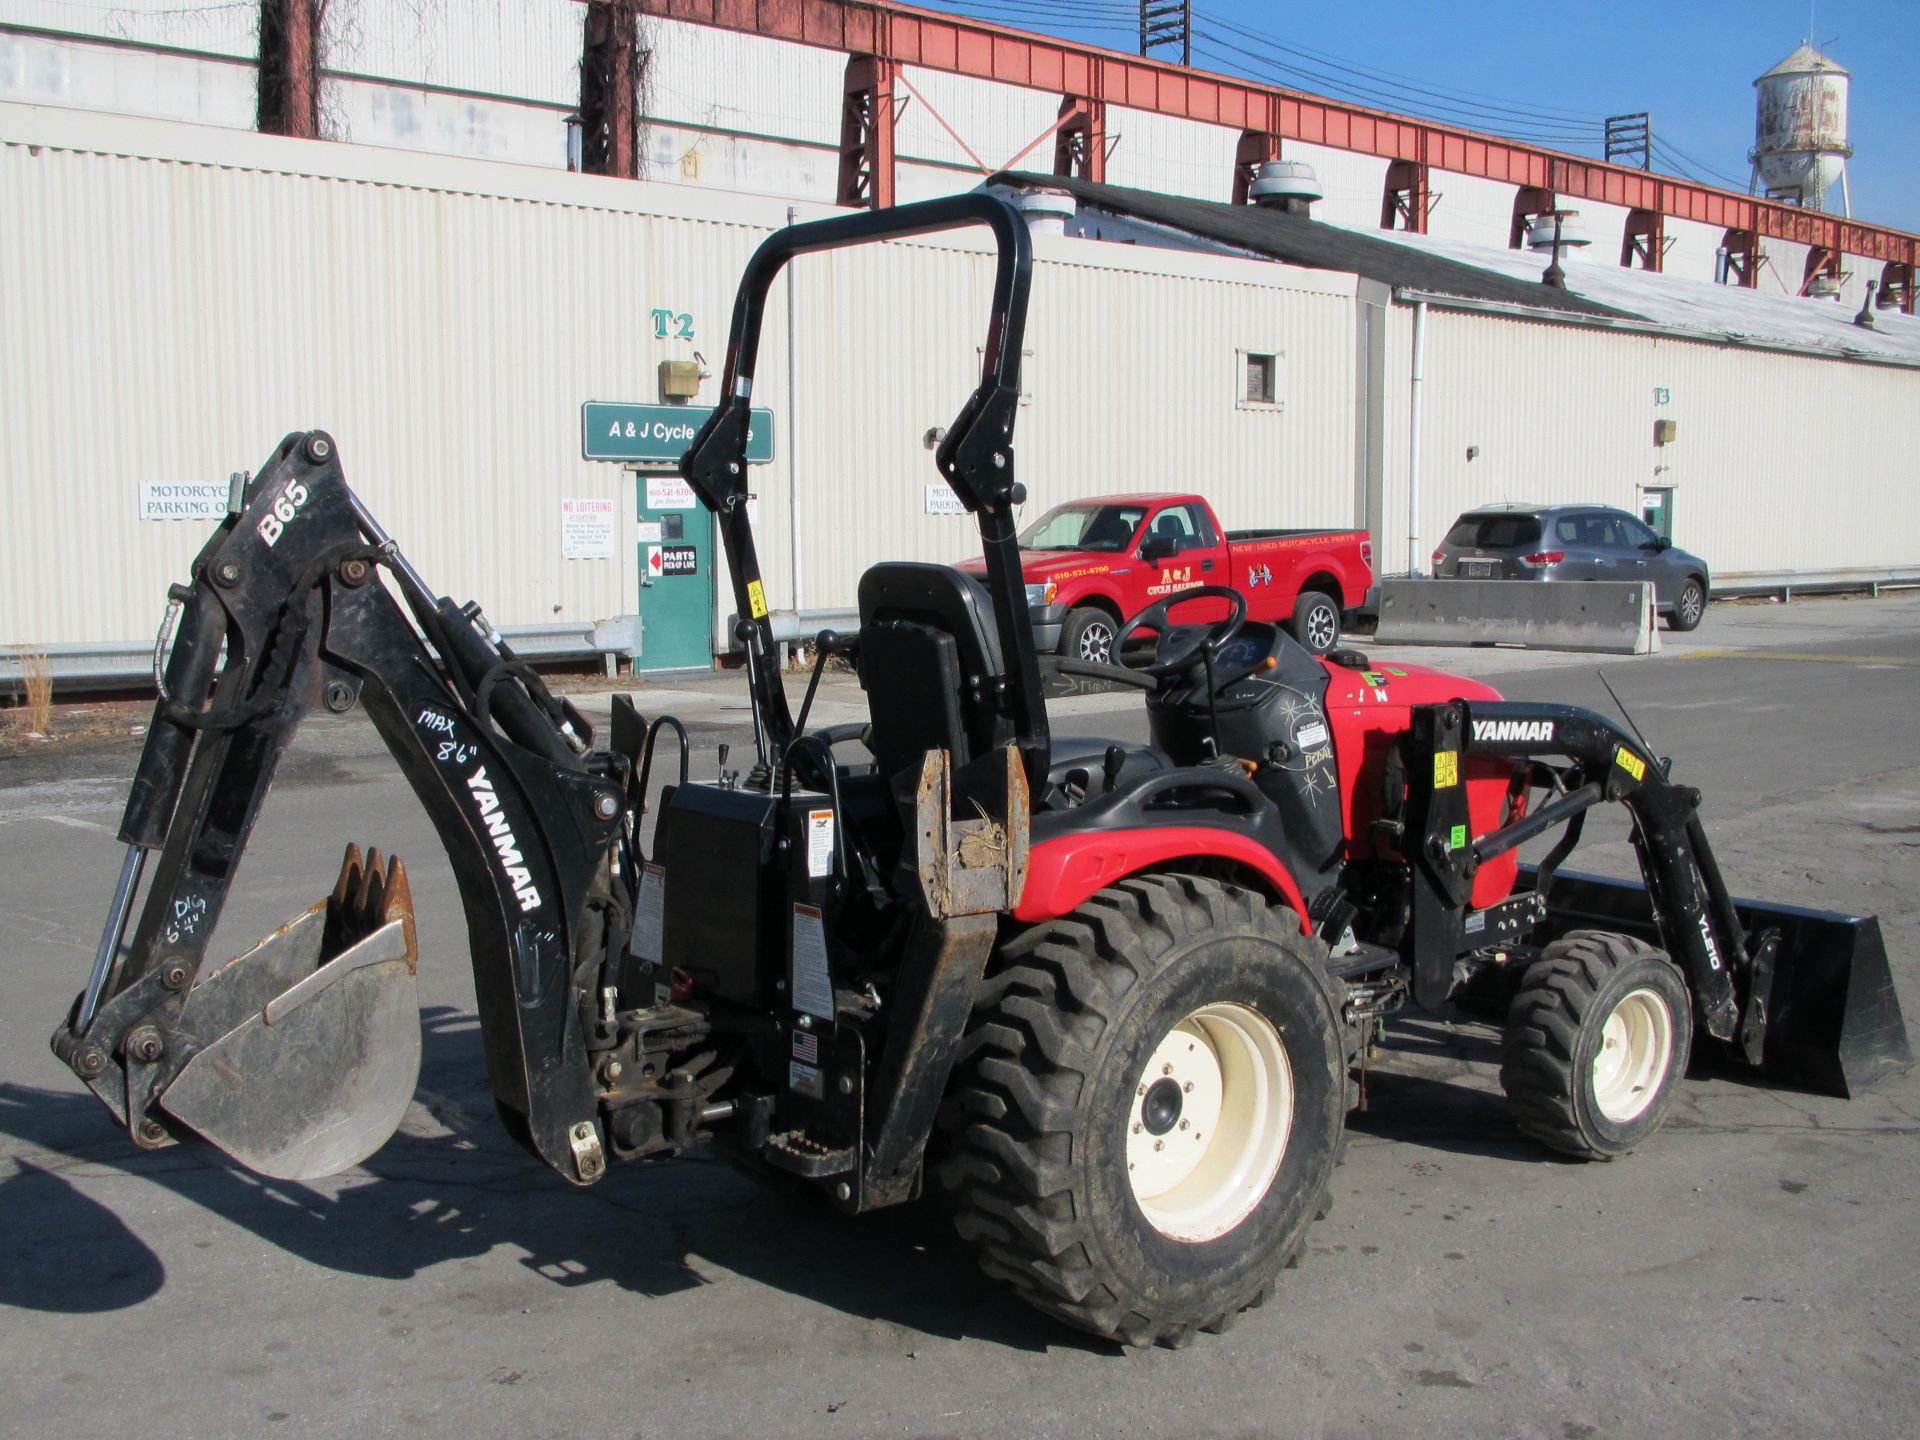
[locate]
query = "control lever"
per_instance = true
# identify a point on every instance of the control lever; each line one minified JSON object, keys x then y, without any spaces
{"x":729,"y":779}
{"x":1110,"y":771}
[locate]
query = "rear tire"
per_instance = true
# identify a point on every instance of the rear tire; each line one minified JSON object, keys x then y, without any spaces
{"x":1147,"y":1108}
{"x":1595,"y":1044}
{"x":1316,"y":621}
{"x":1088,"y":635}
{"x":1688,"y":606}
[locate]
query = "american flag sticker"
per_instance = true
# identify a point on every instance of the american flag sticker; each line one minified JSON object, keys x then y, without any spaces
{"x":806,"y":1047}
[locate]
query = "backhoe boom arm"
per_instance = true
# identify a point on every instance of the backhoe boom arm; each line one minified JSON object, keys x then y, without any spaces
{"x":289,"y":593}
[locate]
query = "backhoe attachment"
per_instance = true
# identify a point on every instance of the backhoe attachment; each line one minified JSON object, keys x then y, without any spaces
{"x":303,"y":1053}
{"x":299,"y":1057}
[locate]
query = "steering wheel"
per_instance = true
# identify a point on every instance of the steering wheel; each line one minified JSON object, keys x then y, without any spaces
{"x":1180,"y":645}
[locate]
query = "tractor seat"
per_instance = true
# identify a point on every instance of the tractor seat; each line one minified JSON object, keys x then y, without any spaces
{"x":930,"y":663}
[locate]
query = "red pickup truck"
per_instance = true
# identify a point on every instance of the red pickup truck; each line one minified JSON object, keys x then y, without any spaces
{"x":1091,"y":565}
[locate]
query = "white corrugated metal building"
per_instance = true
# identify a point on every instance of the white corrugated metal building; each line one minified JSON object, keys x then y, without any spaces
{"x":179,"y":295}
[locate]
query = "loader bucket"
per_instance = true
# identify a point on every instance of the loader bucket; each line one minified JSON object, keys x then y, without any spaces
{"x":309,"y":1042}
{"x":1833,"y":1021}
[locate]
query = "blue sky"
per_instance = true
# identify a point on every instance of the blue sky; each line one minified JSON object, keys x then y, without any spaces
{"x":1553,"y":72}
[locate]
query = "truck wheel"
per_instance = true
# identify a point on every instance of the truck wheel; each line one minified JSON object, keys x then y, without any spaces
{"x":1688,"y":606}
{"x":1088,"y":635}
{"x":1316,"y":621}
{"x":1147,"y":1108}
{"x":1595,"y":1044}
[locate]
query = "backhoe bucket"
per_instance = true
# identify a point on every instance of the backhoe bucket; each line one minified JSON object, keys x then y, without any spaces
{"x":310,"y":1042}
{"x":1833,"y":1022}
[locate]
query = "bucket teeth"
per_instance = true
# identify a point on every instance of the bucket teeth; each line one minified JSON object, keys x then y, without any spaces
{"x":369,"y":893}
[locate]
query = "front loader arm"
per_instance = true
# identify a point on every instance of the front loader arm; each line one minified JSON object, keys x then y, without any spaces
{"x":290,"y":590}
{"x":1786,"y":989}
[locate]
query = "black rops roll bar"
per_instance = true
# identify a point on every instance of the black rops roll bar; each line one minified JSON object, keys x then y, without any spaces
{"x":975,"y":458}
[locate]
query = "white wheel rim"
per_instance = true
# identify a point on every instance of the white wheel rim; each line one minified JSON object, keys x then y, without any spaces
{"x":1322,"y":627}
{"x":1096,"y":643}
{"x":1211,"y":1115}
{"x":1636,"y":1045}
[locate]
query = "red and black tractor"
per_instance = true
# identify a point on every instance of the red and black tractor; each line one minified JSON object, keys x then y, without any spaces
{"x":1106,"y":998}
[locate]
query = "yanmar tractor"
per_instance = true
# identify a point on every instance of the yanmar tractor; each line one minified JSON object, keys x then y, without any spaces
{"x":1105,"y":997}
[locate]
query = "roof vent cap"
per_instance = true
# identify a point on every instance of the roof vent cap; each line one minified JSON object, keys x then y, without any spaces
{"x":1288,"y":185}
{"x":1574,"y":235}
{"x":1045,"y":211}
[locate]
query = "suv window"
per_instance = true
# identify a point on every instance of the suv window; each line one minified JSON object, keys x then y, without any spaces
{"x":1589,"y":529}
{"x":1637,"y":534}
{"x":1494,"y":532}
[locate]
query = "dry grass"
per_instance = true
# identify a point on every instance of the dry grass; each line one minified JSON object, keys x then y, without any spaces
{"x":35,"y":713}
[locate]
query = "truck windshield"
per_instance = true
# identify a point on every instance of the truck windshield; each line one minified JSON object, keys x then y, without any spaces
{"x":1084,"y":527}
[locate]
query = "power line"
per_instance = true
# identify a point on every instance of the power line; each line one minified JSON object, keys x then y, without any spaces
{"x":1543,"y":131}
{"x":1390,"y":81}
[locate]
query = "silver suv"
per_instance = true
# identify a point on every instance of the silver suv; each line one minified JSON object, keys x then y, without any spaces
{"x":1574,"y":542}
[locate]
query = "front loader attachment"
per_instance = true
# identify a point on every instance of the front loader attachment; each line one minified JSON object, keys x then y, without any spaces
{"x":304,"y":1052}
{"x":1830,"y":1020}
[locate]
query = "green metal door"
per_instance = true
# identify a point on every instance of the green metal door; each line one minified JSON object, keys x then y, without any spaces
{"x":1656,"y":508}
{"x":676,"y":576}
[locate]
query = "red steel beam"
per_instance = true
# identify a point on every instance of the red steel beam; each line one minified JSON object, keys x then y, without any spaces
{"x":964,"y":46}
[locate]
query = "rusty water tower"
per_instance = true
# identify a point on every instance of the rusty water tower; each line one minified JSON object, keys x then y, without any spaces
{"x":1800,"y":144}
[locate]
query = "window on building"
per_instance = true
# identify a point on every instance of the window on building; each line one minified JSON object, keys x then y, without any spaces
{"x":1262,"y":383}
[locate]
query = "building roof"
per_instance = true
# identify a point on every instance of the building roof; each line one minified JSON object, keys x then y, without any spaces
{"x":1728,"y":314}
{"x":1438,"y":269}
{"x":1315,"y":245}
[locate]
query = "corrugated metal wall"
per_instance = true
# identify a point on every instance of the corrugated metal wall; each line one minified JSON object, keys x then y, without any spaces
{"x":1780,"y":462}
{"x":171,"y":319}
{"x":178,"y":298}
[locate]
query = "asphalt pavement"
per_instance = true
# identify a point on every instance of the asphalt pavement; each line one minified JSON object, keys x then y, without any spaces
{"x":1751,"y":1271}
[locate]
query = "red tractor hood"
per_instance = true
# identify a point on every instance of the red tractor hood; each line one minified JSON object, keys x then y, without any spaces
{"x":1401,"y":683}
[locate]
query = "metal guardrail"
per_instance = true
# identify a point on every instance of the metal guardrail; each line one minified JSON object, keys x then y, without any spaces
{"x":118,"y":665}
{"x":1786,"y":583}
{"x":797,"y":625}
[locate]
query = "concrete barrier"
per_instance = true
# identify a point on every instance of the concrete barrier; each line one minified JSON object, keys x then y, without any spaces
{"x":1605,"y":617}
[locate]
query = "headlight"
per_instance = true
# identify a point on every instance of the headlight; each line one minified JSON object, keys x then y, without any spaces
{"x":1042,"y":594}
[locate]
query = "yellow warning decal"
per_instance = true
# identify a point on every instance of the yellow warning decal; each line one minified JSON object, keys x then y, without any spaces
{"x":756,"y":598}
{"x":1446,"y":769}
{"x":1629,"y":762}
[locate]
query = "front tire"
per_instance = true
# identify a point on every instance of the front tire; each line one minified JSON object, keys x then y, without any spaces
{"x":1088,"y":635}
{"x":1595,"y":1045}
{"x":1688,"y":606}
{"x":1316,"y":621}
{"x":1147,"y":1108}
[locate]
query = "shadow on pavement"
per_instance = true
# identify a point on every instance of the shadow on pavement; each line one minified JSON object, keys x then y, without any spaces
{"x":425,"y":1200}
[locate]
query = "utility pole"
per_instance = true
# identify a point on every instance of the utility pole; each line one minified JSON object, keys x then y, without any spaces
{"x":1630,"y":140}
{"x":1165,"y":23}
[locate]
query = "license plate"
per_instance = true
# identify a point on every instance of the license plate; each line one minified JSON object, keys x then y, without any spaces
{"x":1477,"y":569}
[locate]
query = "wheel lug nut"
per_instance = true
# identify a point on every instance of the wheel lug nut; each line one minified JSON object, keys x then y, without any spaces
{"x":1185,"y":1123}
{"x":1141,"y":1091}
{"x":1166,"y":1069}
{"x":1188,"y":1087}
{"x":1159,"y":1144}
{"x":1136,"y":1127}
